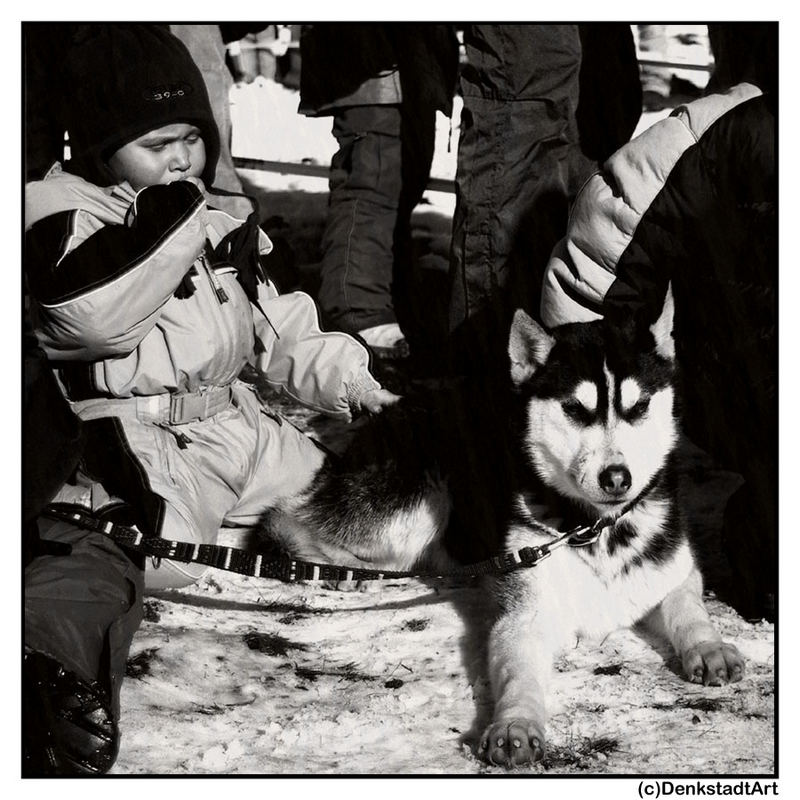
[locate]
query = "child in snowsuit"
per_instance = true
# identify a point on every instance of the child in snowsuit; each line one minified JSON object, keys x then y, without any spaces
{"x":148,"y":304}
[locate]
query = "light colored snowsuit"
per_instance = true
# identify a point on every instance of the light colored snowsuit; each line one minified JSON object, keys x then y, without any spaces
{"x":148,"y":338}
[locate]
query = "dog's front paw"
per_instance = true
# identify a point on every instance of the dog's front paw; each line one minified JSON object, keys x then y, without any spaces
{"x":510,"y":743}
{"x":713,"y":663}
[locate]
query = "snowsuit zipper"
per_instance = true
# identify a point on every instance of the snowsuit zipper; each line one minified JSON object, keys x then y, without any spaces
{"x":221,"y":294}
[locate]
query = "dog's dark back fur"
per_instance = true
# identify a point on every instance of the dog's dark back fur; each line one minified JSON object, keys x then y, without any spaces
{"x":459,"y":432}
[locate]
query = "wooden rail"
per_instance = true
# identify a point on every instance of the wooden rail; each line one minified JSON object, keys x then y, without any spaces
{"x":318,"y":171}
{"x":650,"y":62}
{"x":434,"y":184}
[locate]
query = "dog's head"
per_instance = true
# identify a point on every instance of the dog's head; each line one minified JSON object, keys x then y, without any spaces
{"x":599,"y":405}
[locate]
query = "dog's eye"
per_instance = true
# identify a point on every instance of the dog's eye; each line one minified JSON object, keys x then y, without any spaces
{"x":577,"y":412}
{"x":638,"y":410}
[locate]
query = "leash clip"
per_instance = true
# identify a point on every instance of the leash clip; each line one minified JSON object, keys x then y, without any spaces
{"x":566,"y":538}
{"x":585,"y":536}
{"x":582,"y":536}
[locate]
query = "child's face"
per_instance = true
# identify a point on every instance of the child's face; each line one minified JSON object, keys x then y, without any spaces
{"x":171,"y":153}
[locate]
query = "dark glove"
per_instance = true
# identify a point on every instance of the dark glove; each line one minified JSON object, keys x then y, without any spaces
{"x":159,"y":208}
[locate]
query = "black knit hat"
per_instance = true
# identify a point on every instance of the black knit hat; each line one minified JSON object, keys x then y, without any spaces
{"x":126,"y":80}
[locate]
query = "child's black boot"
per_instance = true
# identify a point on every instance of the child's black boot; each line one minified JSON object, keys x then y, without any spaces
{"x":68,"y":724}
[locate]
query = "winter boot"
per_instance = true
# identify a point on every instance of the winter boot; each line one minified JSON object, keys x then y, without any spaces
{"x":68,"y":724}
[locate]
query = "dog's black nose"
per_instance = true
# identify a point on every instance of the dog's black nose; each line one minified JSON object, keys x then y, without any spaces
{"x":615,"y":480}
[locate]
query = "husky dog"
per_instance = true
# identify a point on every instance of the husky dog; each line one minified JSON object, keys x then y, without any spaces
{"x":587,"y":434}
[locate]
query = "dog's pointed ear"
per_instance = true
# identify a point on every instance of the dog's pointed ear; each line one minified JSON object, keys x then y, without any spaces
{"x":662,"y":328}
{"x":529,"y":345}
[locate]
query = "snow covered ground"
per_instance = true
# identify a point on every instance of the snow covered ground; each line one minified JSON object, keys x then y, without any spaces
{"x":238,"y":676}
{"x":241,"y":676}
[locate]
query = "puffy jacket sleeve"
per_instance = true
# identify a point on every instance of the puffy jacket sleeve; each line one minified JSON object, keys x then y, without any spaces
{"x":324,"y":370}
{"x":99,"y":288}
{"x":649,"y":212}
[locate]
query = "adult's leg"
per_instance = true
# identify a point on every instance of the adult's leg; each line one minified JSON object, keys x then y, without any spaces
{"x":520,"y":89}
{"x":83,"y":604}
{"x":737,"y":427}
{"x":414,"y":309}
{"x":358,"y":242}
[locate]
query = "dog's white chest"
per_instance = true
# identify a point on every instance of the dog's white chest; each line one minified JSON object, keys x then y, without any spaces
{"x":574,"y":594}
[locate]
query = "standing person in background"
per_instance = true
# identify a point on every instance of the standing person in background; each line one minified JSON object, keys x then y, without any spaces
{"x":544,"y":106}
{"x":610,"y":97}
{"x":656,"y":80}
{"x":382,"y":84}
{"x":255,"y":49}
{"x":518,"y":129}
{"x":666,"y":85}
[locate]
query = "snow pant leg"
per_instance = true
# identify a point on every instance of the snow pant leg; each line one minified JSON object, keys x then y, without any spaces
{"x":750,"y":542}
{"x":418,"y":136}
{"x":235,"y":465}
{"x":358,"y":242}
{"x":83,"y":608}
{"x":286,"y":463}
{"x":731,"y":414}
{"x":178,"y":494}
{"x":746,"y":441}
{"x":518,"y":126}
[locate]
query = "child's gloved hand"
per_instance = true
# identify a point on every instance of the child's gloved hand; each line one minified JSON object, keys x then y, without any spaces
{"x":160,"y":208}
{"x":375,"y":400}
{"x":196,"y":181}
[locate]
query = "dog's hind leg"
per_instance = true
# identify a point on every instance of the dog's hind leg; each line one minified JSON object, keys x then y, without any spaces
{"x":683,"y":620}
{"x":362,"y":521}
